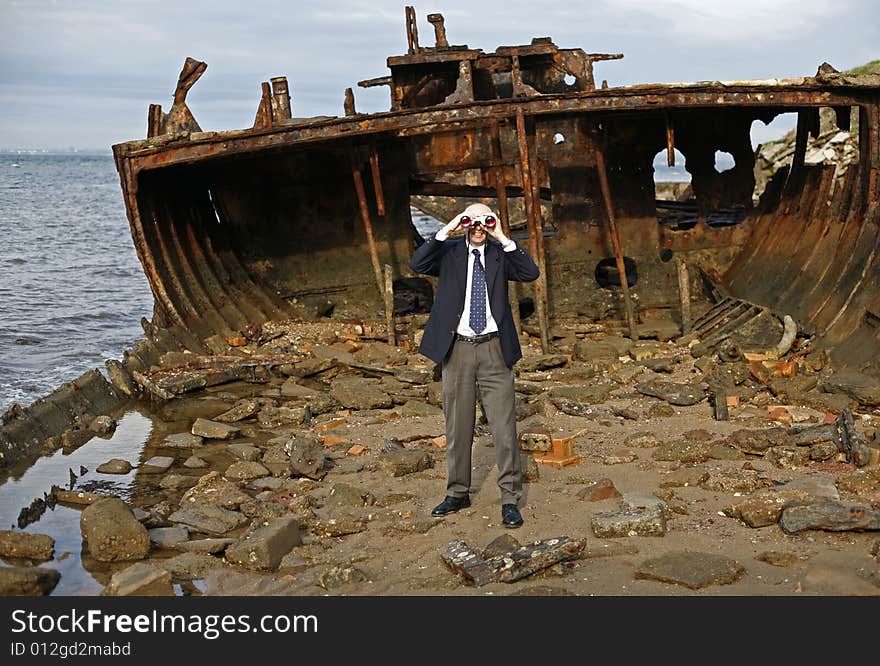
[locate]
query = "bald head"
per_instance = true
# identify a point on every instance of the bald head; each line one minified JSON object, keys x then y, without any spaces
{"x":478,"y":210}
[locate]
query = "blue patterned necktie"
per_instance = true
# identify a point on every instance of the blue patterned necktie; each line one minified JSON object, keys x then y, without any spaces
{"x":478,"y":295}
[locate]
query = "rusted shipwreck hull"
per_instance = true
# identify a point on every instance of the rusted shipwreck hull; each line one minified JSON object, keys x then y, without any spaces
{"x":271,"y":222}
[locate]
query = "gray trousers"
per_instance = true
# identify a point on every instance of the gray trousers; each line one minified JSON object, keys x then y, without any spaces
{"x":468,"y":367}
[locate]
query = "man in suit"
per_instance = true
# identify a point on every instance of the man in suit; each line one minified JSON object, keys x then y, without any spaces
{"x":470,"y":332}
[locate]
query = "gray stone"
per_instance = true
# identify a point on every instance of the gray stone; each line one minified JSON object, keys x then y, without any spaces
{"x":112,"y":533}
{"x":629,"y":522}
{"x":829,"y":516}
{"x":194,"y":462}
{"x":291,"y":389}
{"x":192,"y":565}
{"x":530,"y":471}
{"x":208,"y":518}
{"x":27,"y":581}
{"x":823,"y":451}
{"x":213,"y":489}
{"x":684,"y":477}
{"x":400,"y":463}
{"x":637,"y":501}
{"x":820,"y":487}
{"x":323,"y":403}
{"x":156,"y":465}
{"x":675,"y":394}
{"x":140,"y":580}
{"x":736,"y":481}
{"x":587,"y":394}
{"x":114,"y":466}
{"x":721,"y":451}
{"x":419,"y":408}
{"x":214,"y":429}
{"x":642,"y":440}
{"x":168,"y":537}
{"x":599,"y":350}
{"x":264,"y":547}
{"x":206,"y":546}
{"x":757,"y":441}
{"x":660,"y":411}
{"x":500,"y":546}
{"x":620,"y":457}
{"x":394,"y":498}
{"x":337,"y":526}
{"x":306,"y":457}
{"x":182,"y":440}
{"x":683,"y":451}
{"x":357,"y":393}
{"x":246,"y":452}
{"x":276,"y":417}
{"x":342,"y":494}
{"x":535,"y":439}
{"x":788,"y":457}
{"x":244,"y":471}
{"x":861,"y":387}
{"x":691,"y":569}
{"x":242,"y":410}
{"x":543,"y":362}
{"x":340,"y":576}
{"x":764,"y":507}
{"x":26,"y":545}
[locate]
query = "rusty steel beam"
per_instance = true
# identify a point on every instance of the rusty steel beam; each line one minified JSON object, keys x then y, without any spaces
{"x":368,"y":225}
{"x":504,"y":216}
{"x":377,"y":180}
{"x":533,"y":219}
{"x":615,"y":238}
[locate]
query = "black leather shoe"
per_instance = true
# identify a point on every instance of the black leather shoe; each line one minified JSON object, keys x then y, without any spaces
{"x":451,"y":505}
{"x":510,"y":516}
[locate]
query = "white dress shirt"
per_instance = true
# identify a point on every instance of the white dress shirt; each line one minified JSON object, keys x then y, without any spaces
{"x":464,"y":327}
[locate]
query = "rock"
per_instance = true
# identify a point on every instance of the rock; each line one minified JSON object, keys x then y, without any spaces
{"x":358,"y":393}
{"x":861,"y":387}
{"x":194,"y":462}
{"x":246,"y":452}
{"x":27,"y":581}
{"x":182,"y":440}
{"x":210,"y":519}
{"x":543,"y":362}
{"x":177,"y":481}
{"x":323,"y":403}
{"x":621,"y":456}
{"x":340,"y":576}
{"x":535,"y":439}
{"x":275,"y":417}
{"x":784,"y":387}
{"x":684,"y":477}
{"x":777,"y":558}
{"x":542,"y":591}
{"x":858,"y":483}
{"x":723,"y":451}
{"x":817,"y":487}
{"x":115,"y":466}
{"x":337,"y":526}
{"x":419,"y":408}
{"x":530,"y":471}
{"x":823,"y":451}
{"x":156,"y":465}
{"x":683,"y":451}
{"x":394,"y":498}
{"x":213,"y":489}
{"x":400,"y":463}
{"x":192,"y":565}
{"x":692,"y":569}
{"x":629,"y":522}
{"x":500,"y":546}
{"x":306,"y":457}
{"x":592,"y":351}
{"x":638,"y":501}
{"x":660,"y":411}
{"x":264,"y":547}
{"x":674,"y":394}
{"x":214,"y":429}
{"x":435,"y":393}
{"x":242,"y":410}
{"x":414,"y":525}
{"x":829,"y":516}
{"x":342,"y":494}
{"x":207,"y":546}
{"x":112,"y":533}
{"x":38,"y":547}
{"x":642,"y":440}
{"x":666,"y":365}
{"x":788,"y":457}
{"x":76,"y":437}
{"x":168,"y":537}
{"x":244,"y":471}
{"x":585,"y":394}
{"x":764,"y":507}
{"x":736,"y":481}
{"x":291,"y":389}
{"x":596,"y":549}
{"x":140,"y":580}
{"x":103,"y":426}
{"x":596,"y":491}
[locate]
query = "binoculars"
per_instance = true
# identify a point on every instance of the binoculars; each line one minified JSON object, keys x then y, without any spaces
{"x":487,"y":221}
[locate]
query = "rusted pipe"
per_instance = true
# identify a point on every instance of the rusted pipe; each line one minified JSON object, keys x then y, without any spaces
{"x":684,"y":292}
{"x":348,"y":103}
{"x":377,"y":180}
{"x":533,"y":220}
{"x":368,"y":226}
{"x":504,"y":216}
{"x":388,"y":293}
{"x":281,"y":95}
{"x":439,"y":29}
{"x":615,"y":239}
{"x":670,"y":142}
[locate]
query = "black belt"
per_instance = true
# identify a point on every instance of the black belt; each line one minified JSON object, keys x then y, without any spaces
{"x":476,"y":339}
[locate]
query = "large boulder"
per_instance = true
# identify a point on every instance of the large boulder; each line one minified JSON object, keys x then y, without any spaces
{"x":265,"y":547}
{"x":112,"y":533}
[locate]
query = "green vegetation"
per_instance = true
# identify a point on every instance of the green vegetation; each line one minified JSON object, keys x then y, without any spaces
{"x":872,"y":67}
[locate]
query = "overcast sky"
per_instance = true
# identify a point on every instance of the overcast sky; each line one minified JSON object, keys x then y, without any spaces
{"x":81,"y":73}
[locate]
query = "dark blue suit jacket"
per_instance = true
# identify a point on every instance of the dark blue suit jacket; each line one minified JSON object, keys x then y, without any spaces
{"x":448,"y":260}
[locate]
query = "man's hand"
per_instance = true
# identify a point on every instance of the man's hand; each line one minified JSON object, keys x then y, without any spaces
{"x":452,"y":225}
{"x":497,"y":233}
